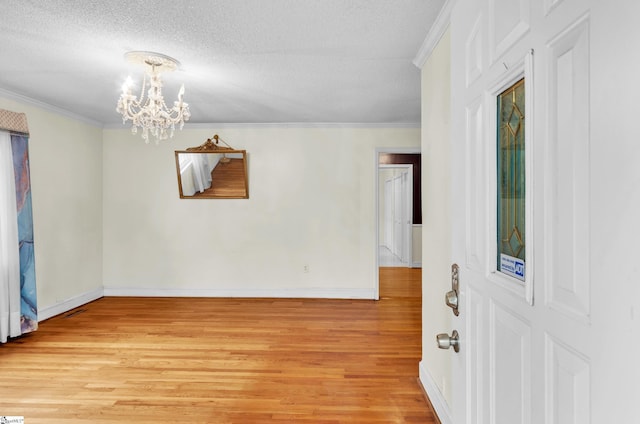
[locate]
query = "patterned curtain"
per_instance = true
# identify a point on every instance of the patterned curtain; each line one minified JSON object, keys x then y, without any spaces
{"x":18,"y":306}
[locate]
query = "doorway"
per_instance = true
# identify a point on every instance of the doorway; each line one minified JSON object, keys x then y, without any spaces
{"x":398,"y":209}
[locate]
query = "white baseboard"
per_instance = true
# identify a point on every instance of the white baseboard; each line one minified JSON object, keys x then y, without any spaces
{"x":240,"y":292}
{"x":416,"y":264}
{"x":74,"y":302}
{"x":67,"y":305}
{"x":436,"y":397}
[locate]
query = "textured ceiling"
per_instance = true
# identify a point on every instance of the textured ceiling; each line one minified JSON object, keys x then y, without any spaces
{"x":243,"y":61}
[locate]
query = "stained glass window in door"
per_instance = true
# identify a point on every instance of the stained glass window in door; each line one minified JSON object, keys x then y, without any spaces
{"x":511,"y":181}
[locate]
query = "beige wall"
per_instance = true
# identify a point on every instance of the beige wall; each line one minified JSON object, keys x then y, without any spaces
{"x":108,"y":219}
{"x":416,"y":245}
{"x":66,"y":177}
{"x":312,"y":202}
{"x":436,"y":241}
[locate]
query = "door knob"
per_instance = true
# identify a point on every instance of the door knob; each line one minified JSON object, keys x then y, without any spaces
{"x":451,"y":299}
{"x":446,"y":341}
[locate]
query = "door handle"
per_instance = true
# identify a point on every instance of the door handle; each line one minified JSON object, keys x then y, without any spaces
{"x":446,"y":341}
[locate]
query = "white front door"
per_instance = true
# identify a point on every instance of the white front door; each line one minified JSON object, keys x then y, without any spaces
{"x":545,"y":221}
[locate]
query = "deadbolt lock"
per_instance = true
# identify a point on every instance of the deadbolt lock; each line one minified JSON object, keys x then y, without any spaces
{"x":451,"y":297}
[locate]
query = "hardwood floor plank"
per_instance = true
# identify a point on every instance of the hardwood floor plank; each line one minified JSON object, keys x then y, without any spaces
{"x":210,"y":360}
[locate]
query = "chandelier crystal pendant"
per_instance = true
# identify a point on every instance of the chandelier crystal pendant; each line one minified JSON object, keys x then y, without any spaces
{"x":151,"y":113}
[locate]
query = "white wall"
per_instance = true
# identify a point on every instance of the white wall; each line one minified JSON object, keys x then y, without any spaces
{"x":65,"y":156}
{"x":436,"y":219}
{"x":312,"y":202}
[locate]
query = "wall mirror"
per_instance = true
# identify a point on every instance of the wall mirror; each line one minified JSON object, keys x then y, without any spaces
{"x":212,"y":171}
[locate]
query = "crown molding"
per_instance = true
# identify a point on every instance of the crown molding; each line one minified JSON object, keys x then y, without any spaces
{"x":48,"y":107}
{"x":206,"y":126}
{"x":435,"y":34}
{"x":55,"y":109}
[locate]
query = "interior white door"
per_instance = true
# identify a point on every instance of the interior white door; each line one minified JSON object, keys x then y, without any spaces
{"x":407,"y":219}
{"x":534,"y":333}
{"x":388,"y":214}
{"x":398,"y":230}
{"x":397,"y":209}
{"x":403,"y":218}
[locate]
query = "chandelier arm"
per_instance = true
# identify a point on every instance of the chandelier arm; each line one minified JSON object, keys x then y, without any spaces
{"x":130,"y":111}
{"x":175,"y":115}
{"x":134,"y":114}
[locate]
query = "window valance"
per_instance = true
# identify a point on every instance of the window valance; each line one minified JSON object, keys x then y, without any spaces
{"x":13,"y":121}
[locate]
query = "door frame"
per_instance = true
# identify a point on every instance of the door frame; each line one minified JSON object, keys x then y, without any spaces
{"x":376,"y":197}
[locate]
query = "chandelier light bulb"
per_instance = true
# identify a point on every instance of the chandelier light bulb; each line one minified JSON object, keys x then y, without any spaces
{"x":149,"y":111}
{"x":127,"y":85}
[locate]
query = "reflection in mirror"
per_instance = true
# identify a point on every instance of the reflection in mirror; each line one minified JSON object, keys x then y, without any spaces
{"x":212,"y":171}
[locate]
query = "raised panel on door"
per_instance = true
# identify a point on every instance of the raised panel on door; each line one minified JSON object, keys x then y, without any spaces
{"x":567,"y":174}
{"x":509,"y":367}
{"x":475,"y":181}
{"x":509,"y":20}
{"x":567,"y":383}
{"x":477,"y":346}
{"x":474,"y":58}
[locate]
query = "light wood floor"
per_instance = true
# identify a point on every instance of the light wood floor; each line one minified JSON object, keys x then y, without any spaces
{"x":202,"y":360}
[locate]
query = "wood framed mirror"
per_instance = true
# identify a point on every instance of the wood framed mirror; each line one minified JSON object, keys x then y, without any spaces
{"x":212,"y":171}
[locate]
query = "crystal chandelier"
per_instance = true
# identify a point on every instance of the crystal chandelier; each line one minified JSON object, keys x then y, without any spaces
{"x":151,"y":113}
